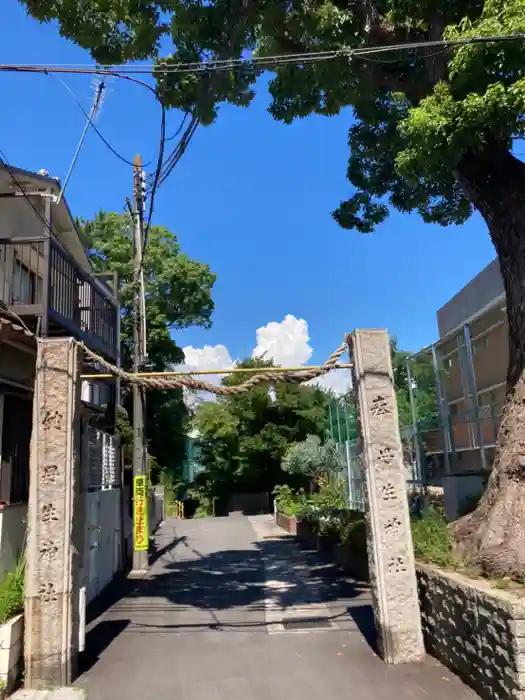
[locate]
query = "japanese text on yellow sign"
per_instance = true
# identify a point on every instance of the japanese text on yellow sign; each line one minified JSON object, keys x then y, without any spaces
{"x":140,"y":514}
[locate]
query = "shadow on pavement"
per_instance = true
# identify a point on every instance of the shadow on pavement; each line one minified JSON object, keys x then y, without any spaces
{"x":133,"y":651}
{"x":363,"y":616}
{"x":234,"y":580}
{"x":119,"y":588}
{"x":157,"y":552}
{"x":98,"y":640}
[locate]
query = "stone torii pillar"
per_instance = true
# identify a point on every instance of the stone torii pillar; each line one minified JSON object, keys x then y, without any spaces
{"x":389,"y":539}
{"x":55,"y":522}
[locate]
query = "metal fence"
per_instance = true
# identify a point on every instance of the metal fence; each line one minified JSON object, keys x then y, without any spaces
{"x":342,"y":429}
{"x":424,"y":459}
{"x":355,"y":475}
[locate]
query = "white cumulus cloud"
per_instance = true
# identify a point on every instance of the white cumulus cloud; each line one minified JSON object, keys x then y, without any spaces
{"x":338,"y":381}
{"x":285,"y":342}
{"x":208,"y":357}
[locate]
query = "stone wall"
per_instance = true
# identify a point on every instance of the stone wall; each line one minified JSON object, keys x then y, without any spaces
{"x":475,"y":630}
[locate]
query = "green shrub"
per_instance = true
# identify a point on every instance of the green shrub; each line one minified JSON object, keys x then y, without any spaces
{"x":205,"y":504}
{"x":12,"y":593}
{"x":311,"y":458}
{"x":353,"y":532}
{"x":289,"y":502}
{"x":326,"y":510}
{"x":433,"y":543}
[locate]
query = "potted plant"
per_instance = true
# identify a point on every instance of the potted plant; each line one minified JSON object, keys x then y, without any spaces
{"x":288,"y":504}
{"x":329,"y":526}
{"x":11,"y":626}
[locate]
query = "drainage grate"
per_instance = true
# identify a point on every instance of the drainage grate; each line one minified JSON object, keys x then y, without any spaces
{"x":306,"y":623}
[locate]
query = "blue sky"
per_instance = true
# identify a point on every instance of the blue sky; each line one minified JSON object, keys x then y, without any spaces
{"x":252,"y":198}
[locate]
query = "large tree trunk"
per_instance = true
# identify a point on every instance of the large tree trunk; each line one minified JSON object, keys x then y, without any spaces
{"x":493,"y":536}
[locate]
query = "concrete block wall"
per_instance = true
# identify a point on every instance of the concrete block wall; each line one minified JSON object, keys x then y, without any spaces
{"x":475,"y":630}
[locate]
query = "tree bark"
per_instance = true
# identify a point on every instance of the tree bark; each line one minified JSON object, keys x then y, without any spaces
{"x":493,"y":536}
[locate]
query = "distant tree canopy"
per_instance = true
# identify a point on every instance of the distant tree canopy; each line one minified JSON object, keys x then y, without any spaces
{"x":341,"y":415}
{"x":178,"y":295}
{"x":244,"y":437}
{"x":423,"y":385}
{"x":248,"y":443}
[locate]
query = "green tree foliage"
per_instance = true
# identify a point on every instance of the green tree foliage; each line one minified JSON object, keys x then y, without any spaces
{"x":423,"y":385}
{"x":432,"y":133}
{"x":341,"y":416}
{"x":178,"y":295}
{"x":312,"y":459}
{"x":244,"y":437}
{"x":178,"y":289}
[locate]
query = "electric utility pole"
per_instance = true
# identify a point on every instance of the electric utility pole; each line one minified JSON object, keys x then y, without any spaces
{"x":140,"y":476}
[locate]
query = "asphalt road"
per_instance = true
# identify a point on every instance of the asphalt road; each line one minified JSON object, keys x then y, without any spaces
{"x":232,"y":609}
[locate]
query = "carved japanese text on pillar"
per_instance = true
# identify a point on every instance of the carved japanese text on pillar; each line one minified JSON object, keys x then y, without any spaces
{"x":393,"y":525}
{"x":48,"y":550}
{"x":49,"y":474}
{"x":380,"y":407}
{"x":48,"y":592}
{"x":386,"y":455}
{"x":388,"y":492}
{"x":55,"y":529}
{"x":389,"y":542}
{"x":52,"y":419}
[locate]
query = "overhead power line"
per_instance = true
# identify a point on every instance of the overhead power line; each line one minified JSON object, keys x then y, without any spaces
{"x":97,"y":102}
{"x":181,"y":127}
{"x":163,"y":68}
{"x":163,"y":170}
{"x":179,"y":149}
{"x":162,"y":136}
{"x":94,"y":126}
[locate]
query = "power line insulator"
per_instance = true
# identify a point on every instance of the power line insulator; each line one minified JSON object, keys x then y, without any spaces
{"x":143,"y":189}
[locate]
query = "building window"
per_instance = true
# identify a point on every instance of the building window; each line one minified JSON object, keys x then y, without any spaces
{"x":16,"y":438}
{"x":24,"y":284}
{"x":486,"y":342}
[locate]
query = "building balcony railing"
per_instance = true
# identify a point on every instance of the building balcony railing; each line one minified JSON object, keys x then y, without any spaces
{"x":43,"y":284}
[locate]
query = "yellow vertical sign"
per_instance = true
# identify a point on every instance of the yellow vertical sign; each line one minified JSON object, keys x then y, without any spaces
{"x":140,"y":514}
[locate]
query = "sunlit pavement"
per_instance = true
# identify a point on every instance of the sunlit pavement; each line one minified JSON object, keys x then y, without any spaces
{"x":233,"y":608}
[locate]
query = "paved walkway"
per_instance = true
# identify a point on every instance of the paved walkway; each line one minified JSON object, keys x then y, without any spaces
{"x":233,"y":609}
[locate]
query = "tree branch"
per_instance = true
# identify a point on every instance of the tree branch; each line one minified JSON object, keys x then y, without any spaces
{"x":381,"y":32}
{"x":409,"y":81}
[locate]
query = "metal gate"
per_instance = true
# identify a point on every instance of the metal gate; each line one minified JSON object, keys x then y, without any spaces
{"x":102,"y":495}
